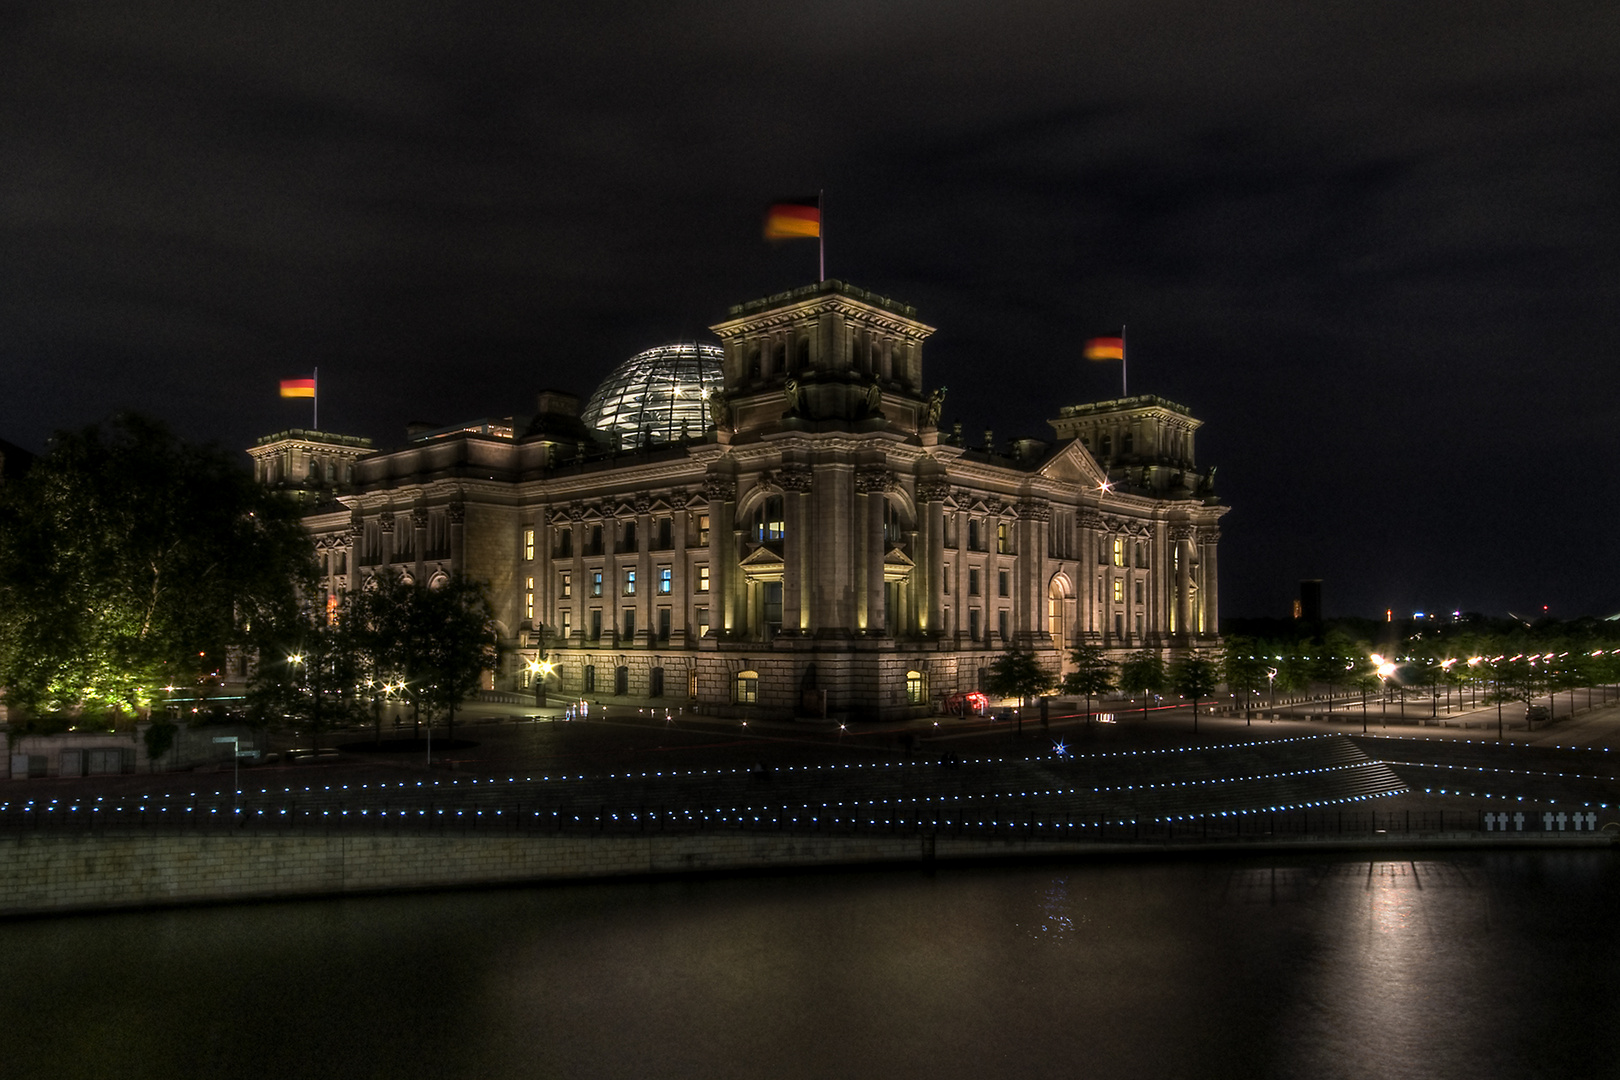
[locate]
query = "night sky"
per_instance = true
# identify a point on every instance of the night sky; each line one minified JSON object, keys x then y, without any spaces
{"x":1374,"y":246}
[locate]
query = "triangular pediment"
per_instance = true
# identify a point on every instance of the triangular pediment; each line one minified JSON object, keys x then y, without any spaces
{"x":1074,"y":465}
{"x":897,"y":566}
{"x":762,"y":564}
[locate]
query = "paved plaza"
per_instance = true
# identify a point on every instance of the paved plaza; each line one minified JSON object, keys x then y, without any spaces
{"x":618,"y":768}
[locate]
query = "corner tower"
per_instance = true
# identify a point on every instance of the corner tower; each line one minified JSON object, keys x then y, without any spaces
{"x":824,"y":357}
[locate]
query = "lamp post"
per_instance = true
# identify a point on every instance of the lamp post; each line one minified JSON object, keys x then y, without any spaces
{"x":1386,"y":670}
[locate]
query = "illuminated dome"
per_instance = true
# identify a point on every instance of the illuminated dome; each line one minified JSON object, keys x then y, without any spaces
{"x":657,"y":395}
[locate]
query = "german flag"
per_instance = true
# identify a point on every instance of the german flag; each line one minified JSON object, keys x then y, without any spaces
{"x":1105,"y":348}
{"x":298,"y":388}
{"x":794,"y":219}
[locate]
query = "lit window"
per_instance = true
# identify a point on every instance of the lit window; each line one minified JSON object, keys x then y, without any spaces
{"x":1119,"y":591}
{"x":596,"y":583}
{"x":565,"y":586}
{"x":629,"y":582}
{"x":666,"y":579}
{"x":528,"y":599}
{"x":703,"y":530}
{"x":703,"y":579}
{"x":916,"y":688}
{"x":528,"y":544}
{"x":565,"y":623}
{"x":1003,"y":538}
{"x":747,"y":688}
{"x":702,"y":621}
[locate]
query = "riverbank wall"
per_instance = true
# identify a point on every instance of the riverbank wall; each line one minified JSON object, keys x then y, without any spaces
{"x":45,"y":874}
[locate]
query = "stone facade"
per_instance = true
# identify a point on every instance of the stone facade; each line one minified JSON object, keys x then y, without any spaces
{"x":821,"y":550}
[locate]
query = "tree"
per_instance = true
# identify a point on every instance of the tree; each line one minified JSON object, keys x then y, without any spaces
{"x":436,"y":640}
{"x":1142,"y":672}
{"x":1093,"y":674}
{"x":1244,"y":667}
{"x":130,"y":561}
{"x":1195,"y":676}
{"x":1017,"y":673}
{"x":306,"y":676}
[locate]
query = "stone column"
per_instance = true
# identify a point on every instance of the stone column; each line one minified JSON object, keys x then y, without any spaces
{"x":385,"y":523}
{"x":579,"y":585}
{"x":1181,"y":536}
{"x":1089,"y":524}
{"x":1030,"y":571}
{"x":871,"y":484}
{"x":680,"y":630}
{"x":931,"y":508}
{"x":419,"y":524}
{"x":1209,"y":595}
{"x":796,"y":482}
{"x":721,"y":492}
{"x":456,"y":512}
{"x":646,"y":588}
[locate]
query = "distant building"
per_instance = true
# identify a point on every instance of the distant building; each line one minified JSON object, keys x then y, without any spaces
{"x":1308,"y":608}
{"x":776,"y":526}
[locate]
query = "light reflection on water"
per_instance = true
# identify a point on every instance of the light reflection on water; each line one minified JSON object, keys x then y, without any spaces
{"x":1469,"y":965}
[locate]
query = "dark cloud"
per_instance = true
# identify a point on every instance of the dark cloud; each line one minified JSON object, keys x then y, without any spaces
{"x":1372,"y":245}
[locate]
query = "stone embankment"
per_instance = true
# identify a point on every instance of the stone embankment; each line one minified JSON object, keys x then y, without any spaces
{"x":62,"y":873}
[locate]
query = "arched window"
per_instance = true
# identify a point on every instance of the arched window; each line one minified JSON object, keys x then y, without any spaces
{"x":745,"y":690}
{"x":769,"y":520}
{"x":916,"y":688}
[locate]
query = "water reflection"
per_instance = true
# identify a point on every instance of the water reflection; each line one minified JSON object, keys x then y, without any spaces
{"x":1455,"y":966}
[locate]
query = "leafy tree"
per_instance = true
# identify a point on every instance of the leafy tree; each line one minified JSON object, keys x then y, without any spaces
{"x":1093,"y":674}
{"x":1297,"y":669}
{"x":1195,"y":676}
{"x":1244,"y":666}
{"x":131,"y":560}
{"x":1017,"y":673}
{"x":306,"y":677}
{"x":1142,"y":672}
{"x":435,"y":640}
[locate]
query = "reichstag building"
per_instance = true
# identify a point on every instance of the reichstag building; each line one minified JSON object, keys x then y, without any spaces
{"x":776,"y":526}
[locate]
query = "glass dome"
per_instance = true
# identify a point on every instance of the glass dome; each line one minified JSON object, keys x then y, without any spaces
{"x":657,"y":395}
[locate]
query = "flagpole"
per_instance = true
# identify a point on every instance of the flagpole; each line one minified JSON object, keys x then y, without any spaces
{"x":821,"y":230}
{"x":315,"y":400}
{"x":1124,"y":385}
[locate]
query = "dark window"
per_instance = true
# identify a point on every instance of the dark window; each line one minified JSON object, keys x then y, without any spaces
{"x":1002,"y":583}
{"x":666,"y":534}
{"x":596,"y":624}
{"x":663,"y":624}
{"x":773,"y":607}
{"x":1002,"y":621}
{"x":562,"y":546}
{"x":629,"y":536}
{"x":621,"y":680}
{"x":655,"y":682}
{"x":590,"y":678}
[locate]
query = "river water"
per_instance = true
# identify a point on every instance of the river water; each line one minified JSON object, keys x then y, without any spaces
{"x":1456,"y":965}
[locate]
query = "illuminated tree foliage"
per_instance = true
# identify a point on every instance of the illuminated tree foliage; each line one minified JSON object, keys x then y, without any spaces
{"x":131,"y":560}
{"x":1093,"y":674}
{"x":1018,"y":674}
{"x":436,"y":640}
{"x":1142,"y":672}
{"x":1195,"y":676}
